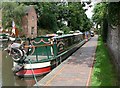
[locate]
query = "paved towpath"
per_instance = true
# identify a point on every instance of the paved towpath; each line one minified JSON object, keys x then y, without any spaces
{"x":74,"y":71}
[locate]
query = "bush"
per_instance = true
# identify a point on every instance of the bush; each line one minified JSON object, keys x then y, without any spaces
{"x":66,"y":29}
{"x":49,"y":22}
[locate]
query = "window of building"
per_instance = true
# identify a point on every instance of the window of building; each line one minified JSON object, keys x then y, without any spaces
{"x":32,"y":17}
{"x":32,"y":30}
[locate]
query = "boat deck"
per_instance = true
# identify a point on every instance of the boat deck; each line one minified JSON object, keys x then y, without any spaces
{"x":74,"y":71}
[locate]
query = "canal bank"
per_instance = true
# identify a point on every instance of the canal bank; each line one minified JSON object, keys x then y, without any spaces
{"x":74,"y":71}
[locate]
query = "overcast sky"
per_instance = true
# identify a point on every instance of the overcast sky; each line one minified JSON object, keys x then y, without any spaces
{"x":89,"y":11}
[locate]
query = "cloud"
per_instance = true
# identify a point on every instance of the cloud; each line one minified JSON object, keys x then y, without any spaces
{"x":89,"y":12}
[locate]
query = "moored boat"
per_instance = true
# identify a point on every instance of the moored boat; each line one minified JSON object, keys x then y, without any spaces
{"x":45,"y":53}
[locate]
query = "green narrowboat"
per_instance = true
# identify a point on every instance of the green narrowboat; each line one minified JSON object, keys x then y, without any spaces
{"x":45,"y":53}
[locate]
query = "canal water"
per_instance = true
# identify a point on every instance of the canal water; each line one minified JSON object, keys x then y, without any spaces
{"x":7,"y":77}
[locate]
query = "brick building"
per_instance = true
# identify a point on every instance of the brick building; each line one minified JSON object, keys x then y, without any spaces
{"x":29,"y":22}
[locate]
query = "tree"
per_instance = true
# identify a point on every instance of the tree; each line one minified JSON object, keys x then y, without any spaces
{"x":100,"y":14}
{"x":77,"y":18}
{"x":52,"y":15}
{"x":71,"y":12}
{"x":114,"y":13}
{"x":12,"y":11}
{"x":107,"y":13}
{"x":49,"y":22}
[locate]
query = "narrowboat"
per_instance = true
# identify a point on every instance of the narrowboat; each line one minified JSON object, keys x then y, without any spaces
{"x":46,"y":52}
{"x":3,"y":39}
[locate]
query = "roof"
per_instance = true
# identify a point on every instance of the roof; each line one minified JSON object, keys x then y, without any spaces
{"x":27,"y":8}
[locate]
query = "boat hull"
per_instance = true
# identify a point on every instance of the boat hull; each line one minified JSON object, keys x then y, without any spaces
{"x":37,"y":69}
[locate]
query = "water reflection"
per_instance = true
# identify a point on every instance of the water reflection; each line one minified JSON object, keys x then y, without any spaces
{"x":8,"y":78}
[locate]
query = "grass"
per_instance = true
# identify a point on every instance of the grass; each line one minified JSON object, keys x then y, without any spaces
{"x":103,"y":72}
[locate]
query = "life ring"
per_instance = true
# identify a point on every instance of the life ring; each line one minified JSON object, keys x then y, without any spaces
{"x":17,"y":55}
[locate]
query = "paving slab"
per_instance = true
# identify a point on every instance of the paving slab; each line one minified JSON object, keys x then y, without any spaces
{"x":74,"y":71}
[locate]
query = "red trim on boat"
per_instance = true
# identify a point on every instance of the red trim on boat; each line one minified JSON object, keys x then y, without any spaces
{"x":38,"y":71}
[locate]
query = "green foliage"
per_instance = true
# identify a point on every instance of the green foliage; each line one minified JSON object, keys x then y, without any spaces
{"x":106,"y":13}
{"x":110,"y":10}
{"x":114,"y":13}
{"x":12,"y":11}
{"x":100,"y":18}
{"x":48,"y":21}
{"x":66,"y":29}
{"x":99,"y":13}
{"x":51,"y":15}
{"x":72,"y":12}
{"x":77,"y":18}
{"x":105,"y":30}
{"x":43,"y":32}
{"x":103,"y":72}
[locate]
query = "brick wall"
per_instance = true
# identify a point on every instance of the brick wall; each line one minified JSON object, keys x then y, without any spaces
{"x":25,"y":25}
{"x":29,"y":22}
{"x":32,"y":22}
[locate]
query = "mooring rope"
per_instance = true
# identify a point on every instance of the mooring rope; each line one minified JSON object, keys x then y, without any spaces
{"x":33,"y":73}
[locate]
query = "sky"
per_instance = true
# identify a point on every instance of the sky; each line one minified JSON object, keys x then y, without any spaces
{"x":89,"y":11}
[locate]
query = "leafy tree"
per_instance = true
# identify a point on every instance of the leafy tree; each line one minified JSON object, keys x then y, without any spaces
{"x":107,"y":13}
{"x":12,"y":11}
{"x":114,"y":13}
{"x":77,"y":18}
{"x":99,"y":17}
{"x":99,"y":13}
{"x":48,"y":21}
{"x":51,"y":15}
{"x":71,"y":12}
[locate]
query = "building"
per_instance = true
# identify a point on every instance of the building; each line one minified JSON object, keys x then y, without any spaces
{"x":29,"y":22}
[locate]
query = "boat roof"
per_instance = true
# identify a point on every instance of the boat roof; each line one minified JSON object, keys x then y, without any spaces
{"x":66,"y":35}
{"x":3,"y":34}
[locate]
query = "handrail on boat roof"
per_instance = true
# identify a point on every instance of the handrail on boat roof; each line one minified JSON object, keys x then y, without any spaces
{"x":67,"y":35}
{"x":38,"y":45}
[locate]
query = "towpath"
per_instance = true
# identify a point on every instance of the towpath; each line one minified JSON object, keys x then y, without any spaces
{"x":74,"y":71}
